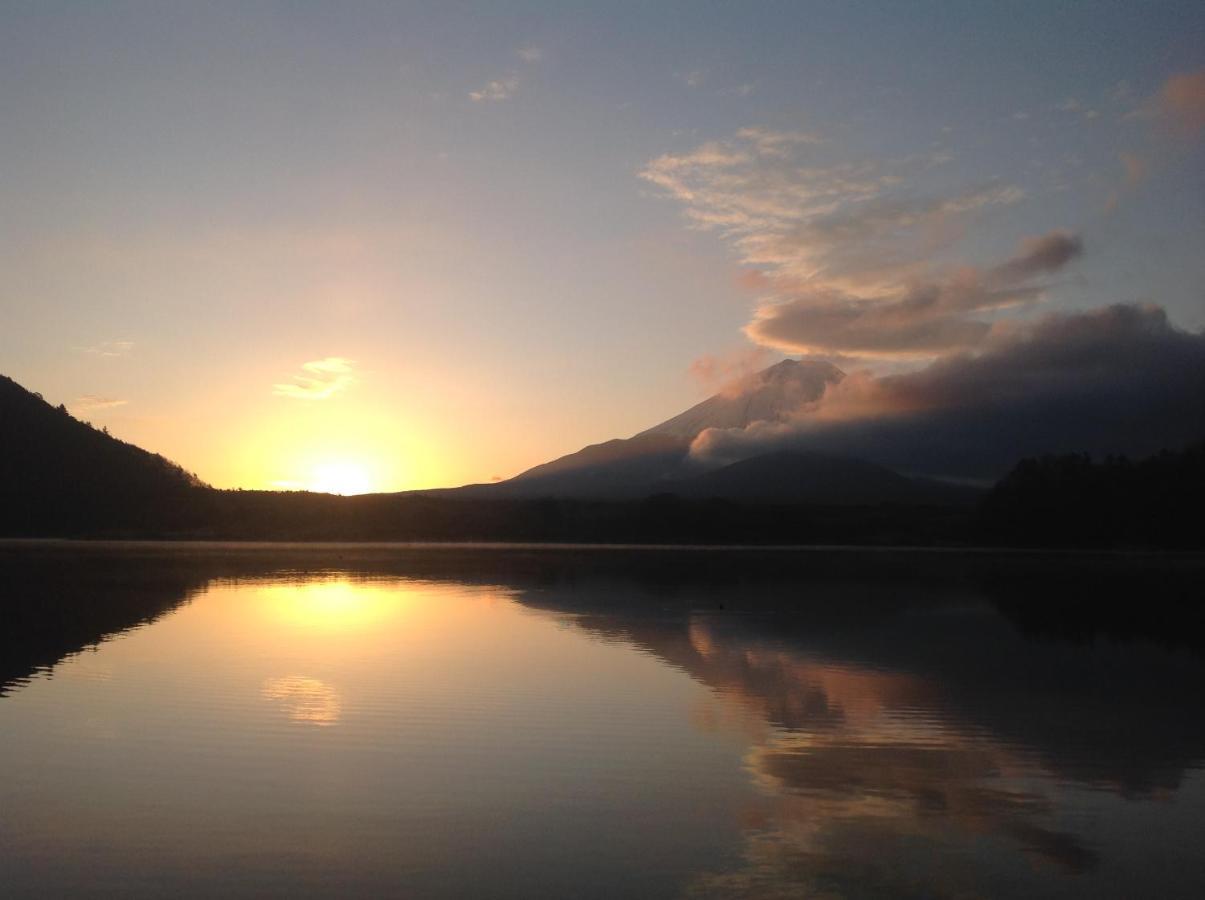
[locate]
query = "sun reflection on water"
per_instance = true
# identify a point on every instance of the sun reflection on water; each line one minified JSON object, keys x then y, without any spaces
{"x":336,"y":605}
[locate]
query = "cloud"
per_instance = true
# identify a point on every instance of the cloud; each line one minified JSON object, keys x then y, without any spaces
{"x":1179,"y":104}
{"x":776,"y":143}
{"x":1182,"y":101}
{"x":1075,"y":108}
{"x":90,"y":403}
{"x":502,"y":89}
{"x":530,"y":54}
{"x":1121,"y":379}
{"x":719,"y":372}
{"x":1039,"y":256}
{"x":917,"y":316}
{"x":319,"y":380}
{"x":1135,"y":169}
{"x":110,"y":348}
{"x":846,"y":248}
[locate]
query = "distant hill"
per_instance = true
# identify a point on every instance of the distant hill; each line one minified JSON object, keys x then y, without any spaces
{"x":803,"y":477}
{"x":60,"y":475}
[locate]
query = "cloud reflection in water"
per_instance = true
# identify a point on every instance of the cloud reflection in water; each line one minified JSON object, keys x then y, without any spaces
{"x":305,"y":700}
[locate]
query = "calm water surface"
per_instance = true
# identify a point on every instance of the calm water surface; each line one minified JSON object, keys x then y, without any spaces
{"x":336,"y":721}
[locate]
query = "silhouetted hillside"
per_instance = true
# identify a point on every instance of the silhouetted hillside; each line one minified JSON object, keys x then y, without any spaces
{"x":613,"y":470}
{"x":60,"y":475}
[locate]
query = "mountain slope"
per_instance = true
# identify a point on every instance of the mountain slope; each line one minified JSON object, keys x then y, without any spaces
{"x":770,"y":395}
{"x":61,"y":474}
{"x":614,"y":467}
{"x":644,"y":463}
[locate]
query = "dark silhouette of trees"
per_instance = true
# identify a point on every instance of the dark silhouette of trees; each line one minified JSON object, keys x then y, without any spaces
{"x":1072,"y":501}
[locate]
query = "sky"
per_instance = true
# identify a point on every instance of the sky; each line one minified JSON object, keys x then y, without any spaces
{"x":389,"y":246}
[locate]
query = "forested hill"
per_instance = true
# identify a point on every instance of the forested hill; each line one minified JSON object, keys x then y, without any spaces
{"x":56,"y":469}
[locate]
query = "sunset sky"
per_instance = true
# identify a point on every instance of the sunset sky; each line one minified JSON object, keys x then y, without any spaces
{"x":389,"y":246}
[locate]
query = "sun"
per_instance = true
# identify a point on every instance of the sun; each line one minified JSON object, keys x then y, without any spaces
{"x":342,"y":477}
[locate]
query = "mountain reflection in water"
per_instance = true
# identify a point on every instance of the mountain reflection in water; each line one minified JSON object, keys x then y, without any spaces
{"x":763,"y":724}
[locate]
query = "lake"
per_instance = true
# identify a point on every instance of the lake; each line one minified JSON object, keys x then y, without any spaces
{"x":333,"y":721}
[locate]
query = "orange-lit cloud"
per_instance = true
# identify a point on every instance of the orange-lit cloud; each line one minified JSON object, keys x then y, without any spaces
{"x":1182,"y":101}
{"x":919,"y":315}
{"x":843,"y":251}
{"x":91,"y":403}
{"x":319,"y":379}
{"x":1135,"y":169}
{"x":714,"y":372}
{"x":110,"y":348}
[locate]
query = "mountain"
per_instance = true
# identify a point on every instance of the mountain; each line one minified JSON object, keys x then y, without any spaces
{"x":615,"y":469}
{"x":658,"y":459}
{"x":58,"y":474}
{"x":771,"y":395}
{"x":801,"y":477}
{"x":625,"y":468}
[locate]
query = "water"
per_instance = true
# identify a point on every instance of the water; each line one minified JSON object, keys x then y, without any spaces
{"x":530,"y":722}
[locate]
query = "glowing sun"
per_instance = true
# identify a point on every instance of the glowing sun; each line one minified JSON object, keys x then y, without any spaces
{"x":342,"y":477}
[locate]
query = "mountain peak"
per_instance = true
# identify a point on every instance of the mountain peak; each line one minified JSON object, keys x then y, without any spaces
{"x":771,"y":395}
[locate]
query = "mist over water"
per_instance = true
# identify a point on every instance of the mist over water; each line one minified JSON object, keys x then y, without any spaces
{"x":532,"y":722}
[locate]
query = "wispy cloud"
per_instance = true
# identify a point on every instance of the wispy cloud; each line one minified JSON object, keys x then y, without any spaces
{"x":1182,"y":102}
{"x":319,"y":379}
{"x":90,"y":403}
{"x":777,"y":144}
{"x":110,"y":348}
{"x":501,"y":89}
{"x":1178,"y":105}
{"x":845,"y":249}
{"x":718,"y":372}
{"x":530,"y":54}
{"x":1073,"y":107}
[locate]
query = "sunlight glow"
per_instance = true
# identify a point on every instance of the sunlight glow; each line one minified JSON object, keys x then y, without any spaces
{"x":351,"y":448}
{"x":342,"y":477}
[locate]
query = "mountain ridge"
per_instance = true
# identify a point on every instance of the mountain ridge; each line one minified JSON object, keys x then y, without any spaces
{"x":659,"y":459}
{"x":62,"y":478}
